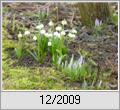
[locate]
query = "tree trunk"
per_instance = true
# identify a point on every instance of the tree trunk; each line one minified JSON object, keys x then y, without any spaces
{"x":90,"y":11}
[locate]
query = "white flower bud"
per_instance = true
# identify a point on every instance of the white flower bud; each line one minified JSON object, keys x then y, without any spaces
{"x":58,"y":28}
{"x":42,"y":31}
{"x":34,"y":38}
{"x":49,"y":43}
{"x":51,"y":23}
{"x":40,"y":26}
{"x":71,"y":35}
{"x":20,"y":35}
{"x":74,"y":31}
{"x":57,"y":34}
{"x":27,"y":33}
{"x":64,"y":22}
{"x":63,"y":33}
{"x":48,"y":35}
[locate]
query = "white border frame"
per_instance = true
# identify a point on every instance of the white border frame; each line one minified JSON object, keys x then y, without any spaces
{"x":59,"y":90}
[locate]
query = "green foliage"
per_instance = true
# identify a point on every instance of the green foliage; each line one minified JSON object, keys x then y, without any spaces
{"x":43,"y":15}
{"x":98,"y":27}
{"x":19,"y":51}
{"x":5,"y":22}
{"x":57,"y":49}
{"x":75,"y":69}
{"x":5,"y":9}
{"x":20,"y":48}
{"x":40,"y":52}
{"x":114,"y":18}
{"x":39,"y":16}
{"x":50,"y":41}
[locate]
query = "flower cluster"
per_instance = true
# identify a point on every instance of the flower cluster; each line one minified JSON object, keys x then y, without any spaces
{"x":51,"y":38}
{"x":26,"y":33}
{"x":57,"y":31}
{"x":75,"y":69}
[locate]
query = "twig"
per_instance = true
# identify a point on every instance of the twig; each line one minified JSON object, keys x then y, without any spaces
{"x":71,"y":21}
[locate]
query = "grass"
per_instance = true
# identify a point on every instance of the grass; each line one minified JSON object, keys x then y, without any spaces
{"x":20,"y":77}
{"x":31,"y":78}
{"x":23,"y":77}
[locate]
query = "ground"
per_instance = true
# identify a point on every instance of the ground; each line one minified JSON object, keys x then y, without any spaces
{"x":25,"y":73}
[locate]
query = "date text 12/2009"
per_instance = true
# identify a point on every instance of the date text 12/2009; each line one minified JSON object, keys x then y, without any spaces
{"x":60,"y":99}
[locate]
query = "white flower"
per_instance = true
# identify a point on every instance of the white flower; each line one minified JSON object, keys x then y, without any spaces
{"x":48,"y":35}
{"x":20,"y":35}
{"x":71,"y":35}
{"x":40,"y":26}
{"x":49,"y":43}
{"x":58,"y":28}
{"x":57,"y":34}
{"x":27,"y":33}
{"x":42,"y":31}
{"x":63,"y":33}
{"x":34,"y":38}
{"x":74,"y":31}
{"x":64,"y":22}
{"x":51,"y":23}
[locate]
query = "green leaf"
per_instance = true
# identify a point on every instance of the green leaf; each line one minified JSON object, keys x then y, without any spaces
{"x":34,"y":55}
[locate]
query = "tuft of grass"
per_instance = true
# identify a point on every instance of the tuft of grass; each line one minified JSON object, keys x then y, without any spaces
{"x":114,"y":18}
{"x":57,"y":49}
{"x":39,"y":16}
{"x":40,"y":52}
{"x":76,"y":69}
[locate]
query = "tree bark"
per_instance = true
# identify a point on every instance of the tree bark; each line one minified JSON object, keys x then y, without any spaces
{"x":90,"y":11}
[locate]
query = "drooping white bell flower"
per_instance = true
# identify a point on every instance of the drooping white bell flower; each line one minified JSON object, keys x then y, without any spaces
{"x":42,"y":31}
{"x":35,"y":38}
{"x":51,"y":23}
{"x":27,"y":32}
{"x":48,"y":35}
{"x":58,"y":28}
{"x":49,"y":43}
{"x":63,"y":33}
{"x":64,"y":22}
{"x":71,"y":35}
{"x":40,"y":26}
{"x":74,"y":31}
{"x":20,"y":35}
{"x":57,"y":34}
